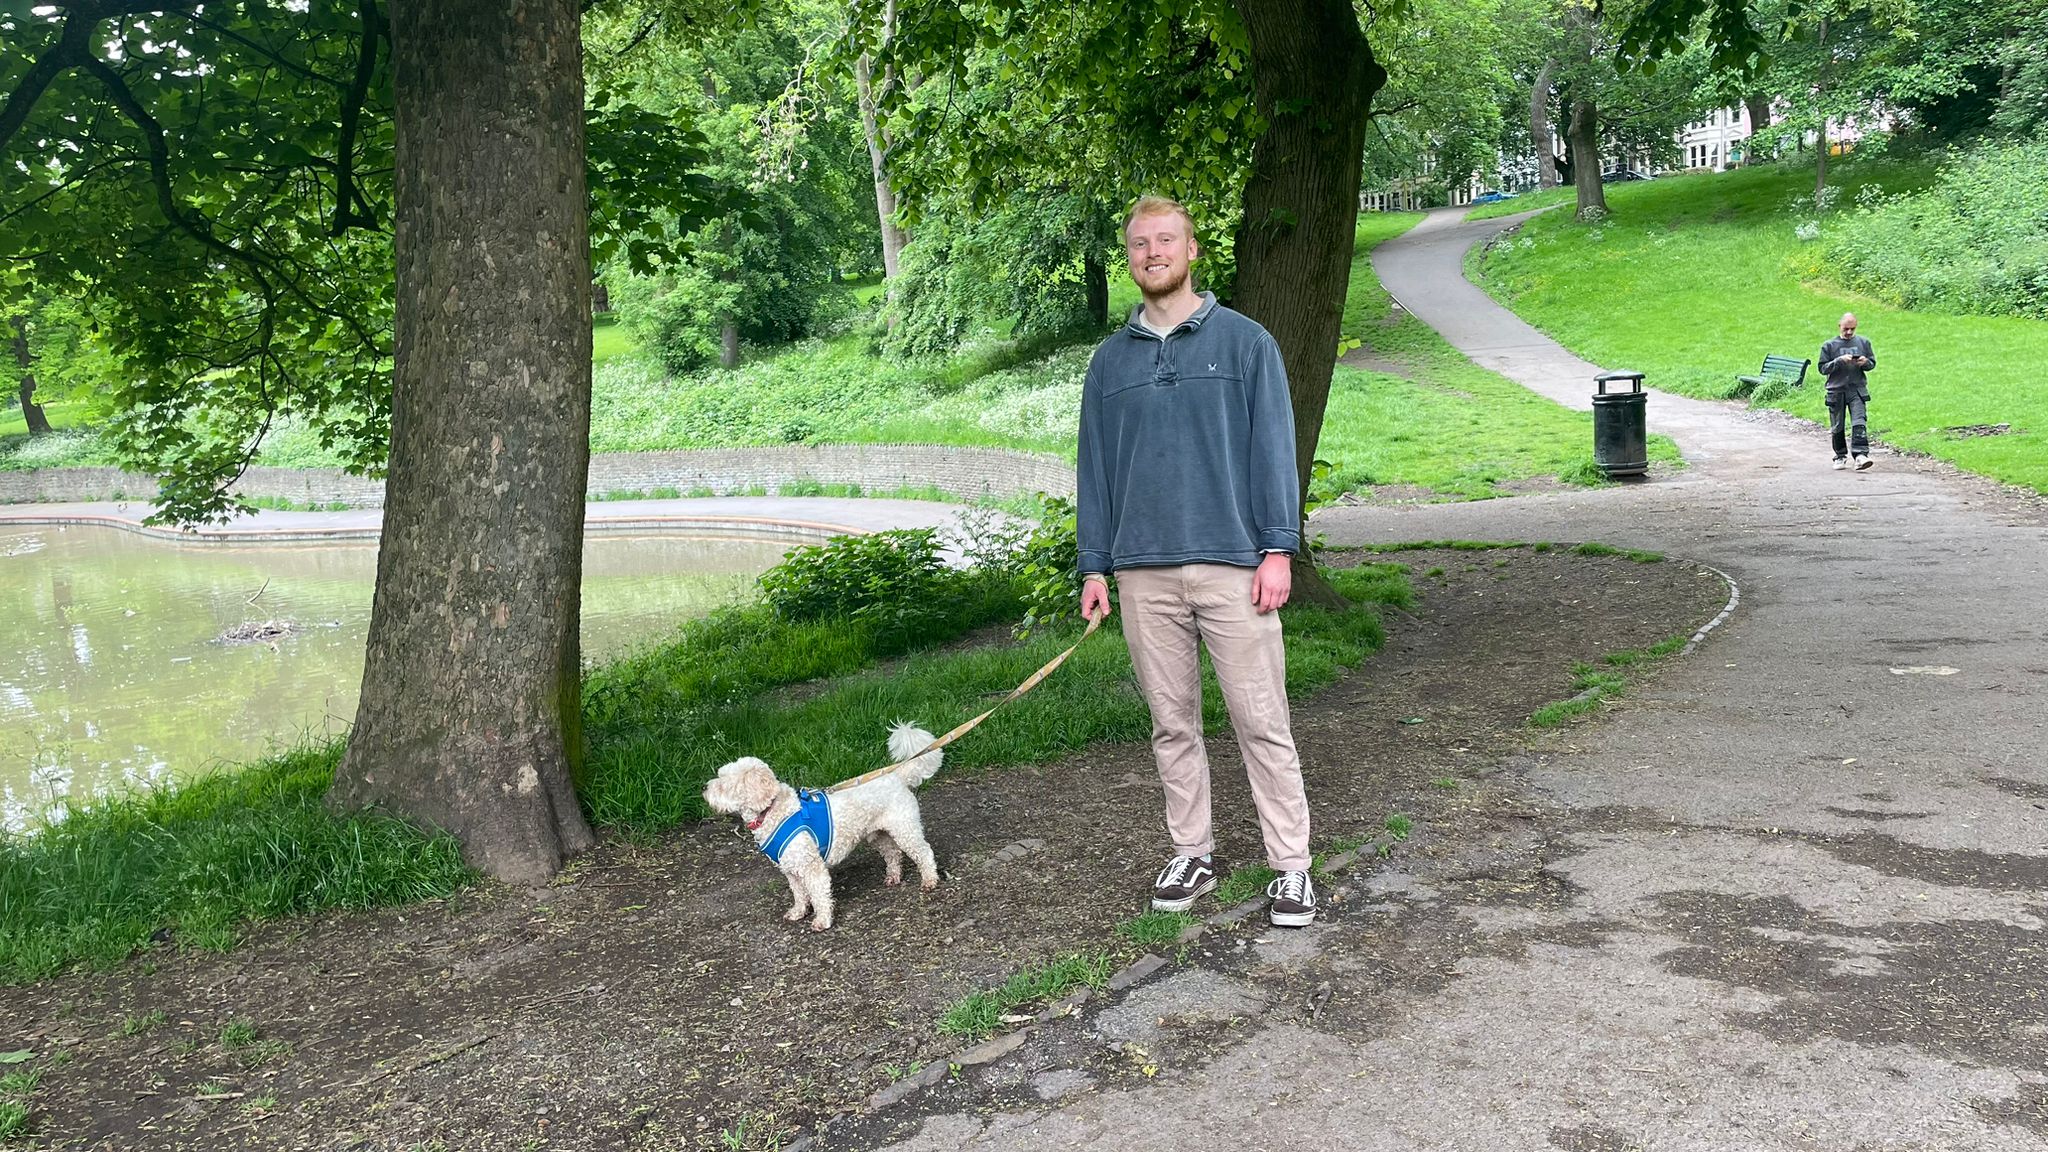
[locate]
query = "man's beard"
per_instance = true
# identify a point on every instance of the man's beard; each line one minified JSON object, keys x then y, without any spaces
{"x":1171,"y":289}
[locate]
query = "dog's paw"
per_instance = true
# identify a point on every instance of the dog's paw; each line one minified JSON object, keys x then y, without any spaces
{"x":892,"y":881}
{"x":795,"y":914}
{"x":820,"y":925}
{"x":930,"y":884}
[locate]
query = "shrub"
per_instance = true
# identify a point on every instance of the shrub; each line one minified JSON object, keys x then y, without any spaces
{"x":676,"y":315}
{"x":897,"y":580}
{"x":1046,"y":567}
{"x":1976,"y":243}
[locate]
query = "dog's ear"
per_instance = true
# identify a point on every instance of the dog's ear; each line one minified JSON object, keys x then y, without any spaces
{"x":756,"y":784}
{"x":746,"y":784}
{"x":724,"y":793}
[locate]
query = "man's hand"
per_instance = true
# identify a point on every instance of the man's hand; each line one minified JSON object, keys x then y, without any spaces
{"x":1272,"y":582}
{"x":1094,"y":598}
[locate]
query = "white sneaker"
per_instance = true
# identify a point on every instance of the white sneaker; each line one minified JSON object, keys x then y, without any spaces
{"x":1862,"y":462}
{"x":1839,"y":464}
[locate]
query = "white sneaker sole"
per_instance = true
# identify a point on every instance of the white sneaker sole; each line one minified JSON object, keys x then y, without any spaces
{"x":1863,"y":464}
{"x":1291,"y":919}
{"x":1183,"y":905}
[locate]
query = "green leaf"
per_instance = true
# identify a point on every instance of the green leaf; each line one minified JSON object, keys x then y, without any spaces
{"x":20,"y":1056}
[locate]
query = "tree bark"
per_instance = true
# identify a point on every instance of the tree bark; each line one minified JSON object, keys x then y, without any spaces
{"x":1313,"y":78}
{"x":1539,"y":127}
{"x":1095,"y":282}
{"x":1758,"y":106}
{"x":729,"y":345}
{"x":1820,"y":99}
{"x":894,"y":236}
{"x":31,"y":412}
{"x":470,"y":718}
{"x":1585,"y":145}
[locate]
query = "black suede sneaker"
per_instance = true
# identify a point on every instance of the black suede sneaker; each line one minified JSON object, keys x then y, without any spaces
{"x":1184,"y":880}
{"x":1294,"y":900}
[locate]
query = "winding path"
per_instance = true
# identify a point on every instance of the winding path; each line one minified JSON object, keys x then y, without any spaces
{"x":1795,"y":889}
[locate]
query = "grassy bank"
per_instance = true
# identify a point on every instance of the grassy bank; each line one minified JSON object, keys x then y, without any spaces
{"x":1694,"y":278}
{"x":660,"y":725}
{"x":195,"y":864}
{"x":1408,"y":409}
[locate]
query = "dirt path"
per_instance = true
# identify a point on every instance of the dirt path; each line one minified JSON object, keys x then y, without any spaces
{"x":656,"y":1000}
{"x":1789,"y":898}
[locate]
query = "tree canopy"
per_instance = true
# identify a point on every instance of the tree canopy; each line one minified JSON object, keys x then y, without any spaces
{"x":214,"y":183}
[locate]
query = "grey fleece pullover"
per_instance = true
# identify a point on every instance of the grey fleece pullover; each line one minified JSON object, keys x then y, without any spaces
{"x":1187,"y":446}
{"x":1846,"y":375}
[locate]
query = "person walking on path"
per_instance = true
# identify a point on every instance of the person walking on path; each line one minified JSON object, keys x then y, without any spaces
{"x":1843,"y":361}
{"x":1187,"y":494}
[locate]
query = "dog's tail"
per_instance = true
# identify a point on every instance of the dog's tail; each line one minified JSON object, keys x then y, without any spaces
{"x":907,"y":740}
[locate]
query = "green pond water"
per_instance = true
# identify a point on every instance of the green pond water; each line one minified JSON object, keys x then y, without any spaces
{"x":113,"y":674}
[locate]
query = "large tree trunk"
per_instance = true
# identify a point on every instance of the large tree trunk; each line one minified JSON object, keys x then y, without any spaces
{"x":1758,"y":105}
{"x":1820,"y":99}
{"x":1095,"y":282}
{"x":31,"y":412}
{"x":470,"y":718}
{"x":1313,"y":77}
{"x":1539,"y":127}
{"x":1585,"y":144}
{"x":894,"y":237}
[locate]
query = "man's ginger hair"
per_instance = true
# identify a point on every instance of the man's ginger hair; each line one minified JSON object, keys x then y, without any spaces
{"x":1159,"y":206}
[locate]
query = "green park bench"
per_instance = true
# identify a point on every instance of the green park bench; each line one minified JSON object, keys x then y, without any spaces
{"x":1776,"y":370}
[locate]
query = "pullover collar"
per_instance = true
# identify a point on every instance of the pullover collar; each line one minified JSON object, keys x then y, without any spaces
{"x":1135,"y":326}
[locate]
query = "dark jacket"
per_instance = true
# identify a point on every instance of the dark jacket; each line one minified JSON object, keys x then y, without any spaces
{"x":1846,"y":375}
{"x":1187,"y":447}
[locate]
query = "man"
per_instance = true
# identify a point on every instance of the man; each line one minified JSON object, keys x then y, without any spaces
{"x":1187,"y":495}
{"x":1844,"y":360}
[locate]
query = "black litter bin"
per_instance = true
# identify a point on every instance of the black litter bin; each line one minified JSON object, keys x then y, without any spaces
{"x":1621,"y":438}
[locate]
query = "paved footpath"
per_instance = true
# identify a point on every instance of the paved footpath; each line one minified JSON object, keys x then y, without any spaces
{"x":1799,"y":899}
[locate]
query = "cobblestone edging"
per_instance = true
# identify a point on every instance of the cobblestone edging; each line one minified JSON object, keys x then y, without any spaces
{"x":964,"y":473}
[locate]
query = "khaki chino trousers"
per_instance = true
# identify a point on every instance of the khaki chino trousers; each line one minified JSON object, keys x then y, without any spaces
{"x":1166,"y":612}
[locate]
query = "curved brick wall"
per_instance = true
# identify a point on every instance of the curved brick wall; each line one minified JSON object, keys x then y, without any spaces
{"x":966,"y":473}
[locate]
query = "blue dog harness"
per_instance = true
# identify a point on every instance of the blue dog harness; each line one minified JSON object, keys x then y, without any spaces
{"x":813,"y":815}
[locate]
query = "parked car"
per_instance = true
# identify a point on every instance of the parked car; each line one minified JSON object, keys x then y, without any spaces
{"x":1491,"y":197}
{"x":1622,"y":174}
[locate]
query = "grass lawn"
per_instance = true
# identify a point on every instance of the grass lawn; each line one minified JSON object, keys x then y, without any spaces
{"x":62,"y":413}
{"x":1694,"y":278}
{"x":1527,"y":201}
{"x":609,"y":339}
{"x":1443,"y":423}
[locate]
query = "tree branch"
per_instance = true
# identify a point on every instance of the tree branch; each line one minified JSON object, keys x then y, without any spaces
{"x":346,"y":198}
{"x":259,"y":270}
{"x":73,"y":40}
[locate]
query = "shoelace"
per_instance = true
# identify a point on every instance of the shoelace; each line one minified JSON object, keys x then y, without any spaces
{"x":1291,"y":886}
{"x":1176,"y":870}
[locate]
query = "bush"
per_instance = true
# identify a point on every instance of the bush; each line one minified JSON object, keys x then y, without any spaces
{"x":1974,"y":244}
{"x":897,"y":580}
{"x":676,"y":315}
{"x":1046,"y":566}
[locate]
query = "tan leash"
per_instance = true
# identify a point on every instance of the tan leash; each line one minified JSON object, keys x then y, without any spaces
{"x":1029,"y":683}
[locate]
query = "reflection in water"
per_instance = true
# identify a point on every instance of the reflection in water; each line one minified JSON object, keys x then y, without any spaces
{"x":112,"y":674}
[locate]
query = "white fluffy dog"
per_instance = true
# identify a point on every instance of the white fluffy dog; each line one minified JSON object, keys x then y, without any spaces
{"x":807,"y":832}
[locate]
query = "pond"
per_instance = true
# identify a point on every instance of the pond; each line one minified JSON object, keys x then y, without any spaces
{"x":113,"y":671}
